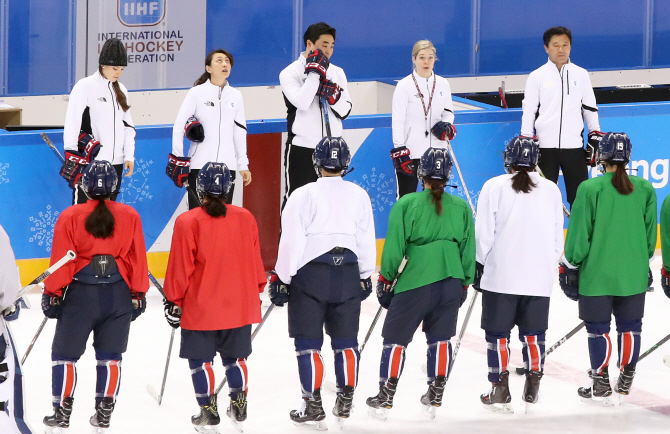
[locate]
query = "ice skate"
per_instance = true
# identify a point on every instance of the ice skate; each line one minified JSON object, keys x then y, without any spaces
{"x":311,"y":414}
{"x":624,"y":382}
{"x":237,"y":410}
{"x":532,"y":388}
{"x":598,"y":391}
{"x":433,"y":397}
{"x":208,"y":419}
{"x":499,"y":398}
{"x":59,"y":422}
{"x":343,"y":405}
{"x":103,"y":413}
{"x":380,"y":404}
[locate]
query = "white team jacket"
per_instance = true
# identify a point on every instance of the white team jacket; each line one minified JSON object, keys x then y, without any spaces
{"x":563,"y":99}
{"x":111,"y":126}
{"x":322,"y":215}
{"x":305,"y":118}
{"x":10,"y":283}
{"x":408,"y":120}
{"x":221,"y":113}
{"x":519,"y":236}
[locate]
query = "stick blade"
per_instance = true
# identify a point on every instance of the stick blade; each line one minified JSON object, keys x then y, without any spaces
{"x":152,"y":392}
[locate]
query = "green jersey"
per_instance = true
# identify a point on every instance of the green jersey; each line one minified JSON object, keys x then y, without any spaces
{"x":612,"y":236}
{"x":665,"y":232}
{"x":437,"y":246}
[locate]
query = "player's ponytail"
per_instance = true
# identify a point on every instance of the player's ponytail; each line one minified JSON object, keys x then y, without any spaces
{"x":214,"y":206}
{"x":521,"y":181}
{"x":620,"y":180}
{"x":100,"y":223}
{"x":436,"y":191}
{"x":120,"y":96}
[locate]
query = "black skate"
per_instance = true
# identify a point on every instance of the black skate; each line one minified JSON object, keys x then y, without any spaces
{"x":433,"y":398}
{"x":207,"y":420}
{"x":532,"y":388}
{"x":499,"y":398}
{"x":60,"y":420}
{"x":599,"y":391}
{"x":625,"y":381}
{"x":103,"y":413}
{"x":380,"y":404}
{"x":311,"y":414}
{"x":343,"y":404}
{"x":237,"y":410}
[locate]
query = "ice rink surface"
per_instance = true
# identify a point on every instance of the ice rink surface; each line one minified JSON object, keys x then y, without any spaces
{"x":274,"y":388}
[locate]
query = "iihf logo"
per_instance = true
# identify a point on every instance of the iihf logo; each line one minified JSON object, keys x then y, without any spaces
{"x":102,"y":98}
{"x":133,"y":13}
{"x":209,"y":103}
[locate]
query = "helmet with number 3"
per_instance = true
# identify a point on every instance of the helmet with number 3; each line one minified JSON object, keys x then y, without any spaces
{"x":614,"y":148}
{"x":521,"y":152}
{"x":214,"y":180}
{"x":435,"y":164}
{"x":99,"y":179}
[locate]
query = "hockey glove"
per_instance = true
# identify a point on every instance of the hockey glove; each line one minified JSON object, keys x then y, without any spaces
{"x":665,"y":281}
{"x":139,"y":305}
{"x":592,"y":147}
{"x":384,"y":294}
{"x":88,"y":147}
{"x":52,"y":305}
{"x":402,"y":161}
{"x":479,"y":272}
{"x":73,"y":167}
{"x":177,"y":169}
{"x":464,"y":296}
{"x":277,"y":290}
{"x":317,"y":63}
{"x":172,"y":313}
{"x":329,"y":90}
{"x":568,"y":278}
{"x":12,"y":312}
{"x":443,"y":130}
{"x":194,"y":130}
{"x":366,"y":286}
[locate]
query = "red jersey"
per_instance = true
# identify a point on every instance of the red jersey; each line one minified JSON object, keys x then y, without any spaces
{"x":215,"y":271}
{"x":126,"y":245}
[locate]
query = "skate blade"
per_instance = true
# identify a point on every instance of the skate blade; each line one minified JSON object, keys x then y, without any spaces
{"x":340,"y":421}
{"x":207,"y":429}
{"x":54,"y":430}
{"x":598,"y":402}
{"x":317,"y":425}
{"x":500,"y":408}
{"x":239,"y":426}
{"x":98,"y":430}
{"x":428,"y":411}
{"x":379,"y":413}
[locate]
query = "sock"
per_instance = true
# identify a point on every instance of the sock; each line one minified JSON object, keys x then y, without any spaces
{"x":63,"y":378}
{"x":237,"y":375}
{"x":310,"y":365}
{"x":600,"y":345}
{"x":438,"y":359}
{"x":347,"y":359}
{"x":628,"y":339}
{"x":497,"y":354}
{"x":108,"y":375}
{"x":533,"y":350}
{"x":393,"y":362}
{"x":202,"y":375}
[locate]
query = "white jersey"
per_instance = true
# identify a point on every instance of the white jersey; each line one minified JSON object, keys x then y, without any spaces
{"x":322,"y":215}
{"x":306,"y":123}
{"x":519,"y":236}
{"x":93,"y":101}
{"x":220,"y":110}
{"x":556,"y":104}
{"x":409,"y":124}
{"x":10,"y":284}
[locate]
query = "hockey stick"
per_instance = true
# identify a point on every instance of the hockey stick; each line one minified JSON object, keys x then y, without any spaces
{"x":253,"y":335}
{"x":401,"y":268}
{"x":501,"y":92}
{"x":561,"y":341}
{"x":324,"y":107}
{"x":460,"y":175}
{"x":462,"y":332}
{"x":654,"y":348}
{"x":53,"y":147}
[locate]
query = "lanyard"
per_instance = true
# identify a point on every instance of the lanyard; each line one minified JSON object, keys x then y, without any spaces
{"x":430,"y":100}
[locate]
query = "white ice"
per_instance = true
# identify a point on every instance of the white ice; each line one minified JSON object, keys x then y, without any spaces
{"x":274,"y":388}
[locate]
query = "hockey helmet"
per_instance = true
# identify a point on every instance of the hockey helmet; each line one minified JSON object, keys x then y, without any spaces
{"x":331,"y":153}
{"x":614,"y":148}
{"x":99,"y":179}
{"x":435,"y":164}
{"x":521,"y":152}
{"x":214,"y":180}
{"x":194,"y":130}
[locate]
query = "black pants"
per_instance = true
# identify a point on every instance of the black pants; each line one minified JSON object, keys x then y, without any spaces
{"x":298,"y":168}
{"x":193,"y":201}
{"x":573,"y":164}
{"x":407,"y":183}
{"x":78,"y":195}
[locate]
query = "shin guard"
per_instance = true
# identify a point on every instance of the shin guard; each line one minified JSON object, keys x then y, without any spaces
{"x":497,"y":354}
{"x":202,"y":375}
{"x":439,"y":359}
{"x":347,"y":358}
{"x":600,"y":346}
{"x":310,"y":365}
{"x":533,"y":350}
{"x":628,"y":339}
{"x":63,"y":379}
{"x":108,"y":372}
{"x":393,"y":362}
{"x":237,"y":375}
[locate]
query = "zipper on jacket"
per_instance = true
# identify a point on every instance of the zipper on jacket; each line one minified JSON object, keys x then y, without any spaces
{"x":111,"y":92}
{"x":218,"y":148}
{"x":568,"y":80}
{"x":560,"y":125}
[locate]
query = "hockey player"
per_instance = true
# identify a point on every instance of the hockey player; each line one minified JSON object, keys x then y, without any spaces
{"x":212,"y":117}
{"x":612,"y":214}
{"x":665,"y":245}
{"x":519,"y":233}
{"x":101,"y":291}
{"x":98,"y":125}
{"x":557,"y":100}
{"x":214,"y":275}
{"x":422,"y":115}
{"x":436,"y":231}
{"x":327,"y":253}
{"x":303,"y":83}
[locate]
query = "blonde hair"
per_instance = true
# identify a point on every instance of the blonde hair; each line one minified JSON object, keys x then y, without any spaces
{"x":422,"y":45}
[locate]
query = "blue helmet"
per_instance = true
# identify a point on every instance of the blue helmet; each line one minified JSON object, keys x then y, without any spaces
{"x":614,"y":148}
{"x":99,"y":179}
{"x":214,"y":180}
{"x":331,"y":153}
{"x":436,"y":164}
{"x":521,"y":152}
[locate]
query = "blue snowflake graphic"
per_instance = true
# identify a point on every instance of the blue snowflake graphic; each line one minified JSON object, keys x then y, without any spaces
{"x":381,"y":190}
{"x":43,"y":228}
{"x":136,"y":188}
{"x":3,"y":173}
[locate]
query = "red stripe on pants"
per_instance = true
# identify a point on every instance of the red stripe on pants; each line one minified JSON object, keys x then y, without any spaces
{"x":350,"y":360}
{"x":69,"y":380}
{"x":396,"y":359}
{"x":442,"y":355}
{"x":210,"y":377}
{"x":318,"y":370}
{"x":113,"y":378}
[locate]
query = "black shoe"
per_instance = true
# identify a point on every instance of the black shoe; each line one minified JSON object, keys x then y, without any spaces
{"x":61,"y":416}
{"x":625,"y":380}
{"x":433,"y":397}
{"x":599,"y":387}
{"x":499,"y":393}
{"x":103,"y":413}
{"x":343,"y":402}
{"x":311,"y":412}
{"x":532,"y":386}
{"x":384,"y":398}
{"x":237,"y":410}
{"x":209,"y":414}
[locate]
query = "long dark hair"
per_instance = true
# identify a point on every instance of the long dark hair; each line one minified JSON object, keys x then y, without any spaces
{"x":521,"y":181}
{"x":120,"y":96}
{"x":436,"y":191}
{"x":208,"y":62}
{"x":100,"y":223}
{"x":214,"y":206}
{"x":620,"y":180}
